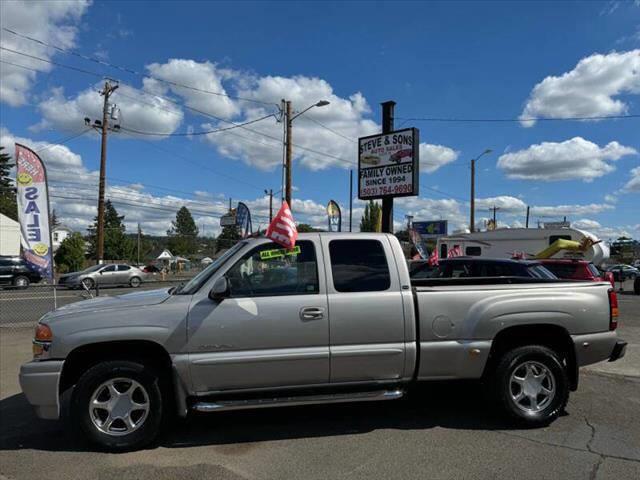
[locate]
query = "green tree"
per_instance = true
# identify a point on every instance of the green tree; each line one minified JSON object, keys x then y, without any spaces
{"x":228,"y":237}
{"x":183,"y":234}
{"x":70,"y":255}
{"x":8,"y":202}
{"x":117,"y":245}
{"x":370,"y":221}
{"x":305,"y":227}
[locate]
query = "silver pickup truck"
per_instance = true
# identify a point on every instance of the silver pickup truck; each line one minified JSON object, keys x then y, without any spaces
{"x":336,"y":319}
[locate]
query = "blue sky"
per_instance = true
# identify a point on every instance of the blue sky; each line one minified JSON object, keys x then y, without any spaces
{"x":481,"y":60}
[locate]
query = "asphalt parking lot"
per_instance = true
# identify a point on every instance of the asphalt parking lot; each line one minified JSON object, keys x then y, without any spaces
{"x":440,"y":431}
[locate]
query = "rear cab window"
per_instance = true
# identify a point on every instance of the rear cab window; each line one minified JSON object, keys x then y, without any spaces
{"x":359,"y":266}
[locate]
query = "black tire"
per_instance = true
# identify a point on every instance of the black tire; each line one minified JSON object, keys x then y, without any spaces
{"x":88,"y":282}
{"x":515,"y":361}
{"x":94,"y":378}
{"x":135,"y":282}
{"x":21,"y":282}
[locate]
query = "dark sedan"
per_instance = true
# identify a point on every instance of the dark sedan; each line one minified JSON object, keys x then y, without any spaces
{"x":15,"y":271}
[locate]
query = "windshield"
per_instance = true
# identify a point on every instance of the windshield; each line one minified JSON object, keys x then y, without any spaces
{"x":196,"y":282}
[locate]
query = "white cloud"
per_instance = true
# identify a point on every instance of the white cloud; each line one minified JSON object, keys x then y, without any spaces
{"x":587,"y":90}
{"x":633,"y":185}
{"x":610,"y":198}
{"x":569,"y":210}
{"x":432,"y":157}
{"x":53,"y":22}
{"x":576,"y":158}
{"x":138,"y":111}
{"x":205,"y":76}
{"x":505,"y":203}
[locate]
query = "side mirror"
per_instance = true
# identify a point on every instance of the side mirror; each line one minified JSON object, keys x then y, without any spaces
{"x":220,"y":290}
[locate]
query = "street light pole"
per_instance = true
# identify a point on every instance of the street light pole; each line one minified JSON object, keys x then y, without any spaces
{"x":472,"y":212}
{"x":289,"y":143}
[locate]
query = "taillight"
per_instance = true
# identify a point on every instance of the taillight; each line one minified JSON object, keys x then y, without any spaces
{"x":613,"y":310}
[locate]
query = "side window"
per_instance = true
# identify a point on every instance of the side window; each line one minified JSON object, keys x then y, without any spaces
{"x":123,"y":268}
{"x":458,"y":270}
{"x":443,"y":250}
{"x":359,"y":266}
{"x":270,"y":270}
{"x":109,"y":268}
{"x":5,"y":263}
{"x":473,"y":251}
{"x":553,"y":238}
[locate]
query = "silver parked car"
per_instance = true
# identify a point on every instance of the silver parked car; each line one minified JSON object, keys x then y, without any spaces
{"x":104,"y":275}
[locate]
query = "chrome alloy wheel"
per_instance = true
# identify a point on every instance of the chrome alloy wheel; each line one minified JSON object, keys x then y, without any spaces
{"x":532,"y":386}
{"x":119,"y":406}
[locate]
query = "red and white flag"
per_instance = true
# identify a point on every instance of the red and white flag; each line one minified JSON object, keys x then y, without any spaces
{"x":282,"y":229}
{"x":433,"y":258}
{"x":454,"y":252}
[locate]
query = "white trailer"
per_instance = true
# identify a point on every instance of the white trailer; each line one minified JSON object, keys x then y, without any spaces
{"x":504,"y":242}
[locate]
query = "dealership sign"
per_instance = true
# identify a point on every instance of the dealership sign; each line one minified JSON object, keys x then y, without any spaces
{"x":388,"y":164}
{"x":431,"y":229}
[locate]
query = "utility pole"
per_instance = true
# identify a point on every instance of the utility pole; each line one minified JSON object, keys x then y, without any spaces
{"x":139,"y":233}
{"x":350,"y":199}
{"x":527,"y":221}
{"x":472,"y":202}
{"x":472,"y":216}
{"x":409,"y":221}
{"x":387,"y":202}
{"x":270,"y":193}
{"x":106,"y":93}
{"x":287,"y":161}
{"x":494,"y":209}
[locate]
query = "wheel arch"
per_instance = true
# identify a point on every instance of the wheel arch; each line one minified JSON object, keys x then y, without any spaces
{"x":550,"y":335}
{"x":84,"y":357}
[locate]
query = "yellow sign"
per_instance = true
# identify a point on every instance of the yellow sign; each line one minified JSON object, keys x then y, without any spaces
{"x":279,"y":253}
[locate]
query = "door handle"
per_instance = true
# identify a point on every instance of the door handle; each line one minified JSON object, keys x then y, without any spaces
{"x":312,"y":313}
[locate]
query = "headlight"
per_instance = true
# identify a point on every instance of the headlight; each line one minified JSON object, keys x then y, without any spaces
{"x":42,"y":341}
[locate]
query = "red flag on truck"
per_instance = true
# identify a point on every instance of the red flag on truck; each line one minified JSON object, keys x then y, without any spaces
{"x":282,"y":229}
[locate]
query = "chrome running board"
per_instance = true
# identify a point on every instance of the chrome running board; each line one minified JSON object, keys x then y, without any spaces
{"x":226,"y":405}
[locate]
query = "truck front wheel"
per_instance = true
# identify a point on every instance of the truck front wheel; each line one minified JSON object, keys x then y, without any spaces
{"x":117,"y":405}
{"x":532,"y":384}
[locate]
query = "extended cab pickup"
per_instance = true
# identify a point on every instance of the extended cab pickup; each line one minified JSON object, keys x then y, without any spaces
{"x":336,"y":319}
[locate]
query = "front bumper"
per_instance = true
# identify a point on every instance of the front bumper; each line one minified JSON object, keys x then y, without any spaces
{"x":619,"y":350}
{"x":40,"y":384}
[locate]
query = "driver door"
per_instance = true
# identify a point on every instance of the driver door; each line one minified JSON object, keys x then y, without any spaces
{"x":271,"y":330}
{"x":106,"y":275}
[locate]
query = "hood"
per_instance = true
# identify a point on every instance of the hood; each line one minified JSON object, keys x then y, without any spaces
{"x":137,"y":299}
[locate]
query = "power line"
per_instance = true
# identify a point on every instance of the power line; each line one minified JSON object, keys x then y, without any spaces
{"x":515,"y":120}
{"x":81,"y":70}
{"x":62,"y":141}
{"x":131,"y":71}
{"x":330,"y":129}
{"x":187,"y":134}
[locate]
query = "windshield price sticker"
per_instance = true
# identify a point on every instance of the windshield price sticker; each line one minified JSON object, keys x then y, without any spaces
{"x":279,"y":253}
{"x":388,"y":164}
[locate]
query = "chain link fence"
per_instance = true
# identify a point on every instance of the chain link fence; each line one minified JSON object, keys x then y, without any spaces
{"x":23,"y":307}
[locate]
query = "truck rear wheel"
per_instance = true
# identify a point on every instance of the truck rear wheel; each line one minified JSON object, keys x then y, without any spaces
{"x":117,"y":405}
{"x":531,"y":384}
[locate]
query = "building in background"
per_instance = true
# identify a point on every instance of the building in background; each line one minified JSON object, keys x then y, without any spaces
{"x":9,"y":237}
{"x":59,"y":233}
